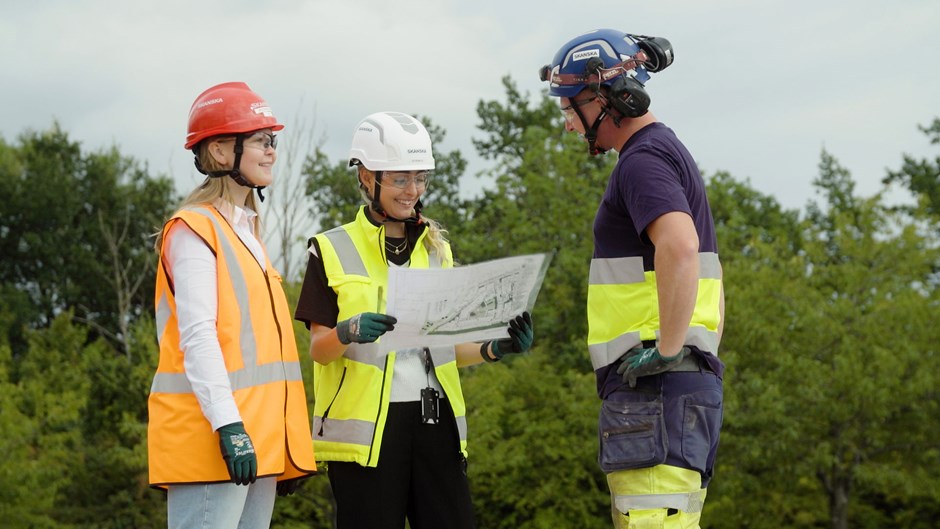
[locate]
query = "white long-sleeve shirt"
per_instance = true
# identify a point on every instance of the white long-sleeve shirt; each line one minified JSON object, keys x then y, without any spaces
{"x":192,"y":266}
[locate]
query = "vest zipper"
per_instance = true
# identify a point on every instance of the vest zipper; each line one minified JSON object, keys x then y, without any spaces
{"x":326,"y":412}
{"x":378,"y":412}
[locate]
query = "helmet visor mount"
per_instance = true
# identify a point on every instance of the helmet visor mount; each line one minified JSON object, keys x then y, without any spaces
{"x":593,"y":77}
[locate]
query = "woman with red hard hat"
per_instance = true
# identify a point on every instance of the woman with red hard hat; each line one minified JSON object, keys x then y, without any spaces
{"x":228,"y":424}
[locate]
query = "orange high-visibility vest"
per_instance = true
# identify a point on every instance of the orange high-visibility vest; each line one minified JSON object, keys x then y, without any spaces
{"x":255,"y":332}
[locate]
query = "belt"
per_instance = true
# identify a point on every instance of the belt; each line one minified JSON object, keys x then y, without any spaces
{"x":690,"y":363}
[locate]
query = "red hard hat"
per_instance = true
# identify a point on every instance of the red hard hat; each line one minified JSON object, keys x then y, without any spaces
{"x":228,"y":108}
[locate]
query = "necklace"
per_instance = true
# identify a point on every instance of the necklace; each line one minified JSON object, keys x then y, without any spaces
{"x":396,"y":248}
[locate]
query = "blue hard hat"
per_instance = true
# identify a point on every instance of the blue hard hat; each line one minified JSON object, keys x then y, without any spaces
{"x":568,"y":73}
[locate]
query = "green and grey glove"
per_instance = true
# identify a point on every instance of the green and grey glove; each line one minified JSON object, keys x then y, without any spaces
{"x":644,"y":361}
{"x":365,"y":327}
{"x":239,"y":453}
{"x":521,"y":336}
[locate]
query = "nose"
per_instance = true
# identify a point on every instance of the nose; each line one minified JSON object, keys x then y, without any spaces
{"x":569,"y":127}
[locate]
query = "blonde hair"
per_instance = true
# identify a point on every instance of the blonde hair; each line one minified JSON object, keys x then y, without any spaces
{"x":208,"y":191}
{"x":436,"y":239}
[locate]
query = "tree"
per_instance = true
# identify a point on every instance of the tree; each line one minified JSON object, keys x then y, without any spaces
{"x":533,"y":445}
{"x":745,"y":218}
{"x":22,"y":473}
{"x":72,"y":222}
{"x":827,"y":394}
{"x":77,"y":344}
{"x":921,"y":177}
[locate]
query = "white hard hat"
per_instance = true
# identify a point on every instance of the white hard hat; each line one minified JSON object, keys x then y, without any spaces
{"x":391,"y":141}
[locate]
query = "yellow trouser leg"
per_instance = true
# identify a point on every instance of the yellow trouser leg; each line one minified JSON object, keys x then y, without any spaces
{"x":639,"y":498}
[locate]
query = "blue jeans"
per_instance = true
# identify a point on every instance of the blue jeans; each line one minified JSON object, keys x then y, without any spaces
{"x":221,"y":505}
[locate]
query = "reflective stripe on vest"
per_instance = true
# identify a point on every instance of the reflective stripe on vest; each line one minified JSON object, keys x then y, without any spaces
{"x":623,"y":307}
{"x":360,"y":432}
{"x":243,"y":378}
{"x":345,"y":250}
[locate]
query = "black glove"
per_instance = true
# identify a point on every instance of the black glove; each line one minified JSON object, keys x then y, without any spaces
{"x":239,"y":453}
{"x":289,"y":486}
{"x":364,"y":327}
{"x":641,"y":362}
{"x":521,"y":336}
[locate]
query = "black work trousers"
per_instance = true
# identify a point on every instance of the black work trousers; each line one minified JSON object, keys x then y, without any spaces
{"x":421,"y":474}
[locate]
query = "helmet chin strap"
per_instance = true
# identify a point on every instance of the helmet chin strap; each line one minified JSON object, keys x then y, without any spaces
{"x":234,"y":172}
{"x":590,"y":132}
{"x":376,"y":206}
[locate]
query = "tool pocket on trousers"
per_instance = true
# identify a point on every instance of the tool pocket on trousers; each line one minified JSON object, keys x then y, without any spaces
{"x":632,"y":435}
{"x":701,"y":423}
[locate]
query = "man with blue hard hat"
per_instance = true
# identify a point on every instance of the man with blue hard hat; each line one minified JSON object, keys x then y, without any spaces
{"x":655,"y":298}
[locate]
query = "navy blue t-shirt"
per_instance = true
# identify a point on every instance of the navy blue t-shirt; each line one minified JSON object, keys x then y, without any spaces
{"x":655,"y":174}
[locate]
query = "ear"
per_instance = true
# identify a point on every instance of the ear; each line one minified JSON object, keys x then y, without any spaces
{"x":366,"y":178}
{"x":218,"y":153}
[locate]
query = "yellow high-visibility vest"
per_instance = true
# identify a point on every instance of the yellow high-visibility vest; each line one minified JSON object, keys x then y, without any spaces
{"x":623,"y":307}
{"x":352,"y":392}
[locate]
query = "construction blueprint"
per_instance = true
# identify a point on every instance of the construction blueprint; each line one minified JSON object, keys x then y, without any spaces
{"x":469,"y":303}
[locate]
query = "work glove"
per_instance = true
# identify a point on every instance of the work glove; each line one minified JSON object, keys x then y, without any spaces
{"x":521,"y":336}
{"x":239,"y":453}
{"x":289,"y":486}
{"x":364,"y":327}
{"x":644,"y":361}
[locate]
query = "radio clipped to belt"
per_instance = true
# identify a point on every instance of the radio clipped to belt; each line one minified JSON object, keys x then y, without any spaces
{"x":430,"y":414}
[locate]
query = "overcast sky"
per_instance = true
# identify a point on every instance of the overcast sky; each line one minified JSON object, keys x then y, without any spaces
{"x":758,"y":88}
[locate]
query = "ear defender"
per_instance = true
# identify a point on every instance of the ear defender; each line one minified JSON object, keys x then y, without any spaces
{"x":628,"y":97}
{"x":658,"y":50}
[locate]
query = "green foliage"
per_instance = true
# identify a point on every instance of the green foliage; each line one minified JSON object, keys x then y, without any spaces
{"x":533,"y":445}
{"x":744,"y":217}
{"x":312,"y":505}
{"x":75,"y":233}
{"x":78,"y":419}
{"x":22,"y":473}
{"x":922,"y":177}
{"x":332,"y":190}
{"x":77,"y":268}
{"x":826,"y":347}
{"x":504,"y":123}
